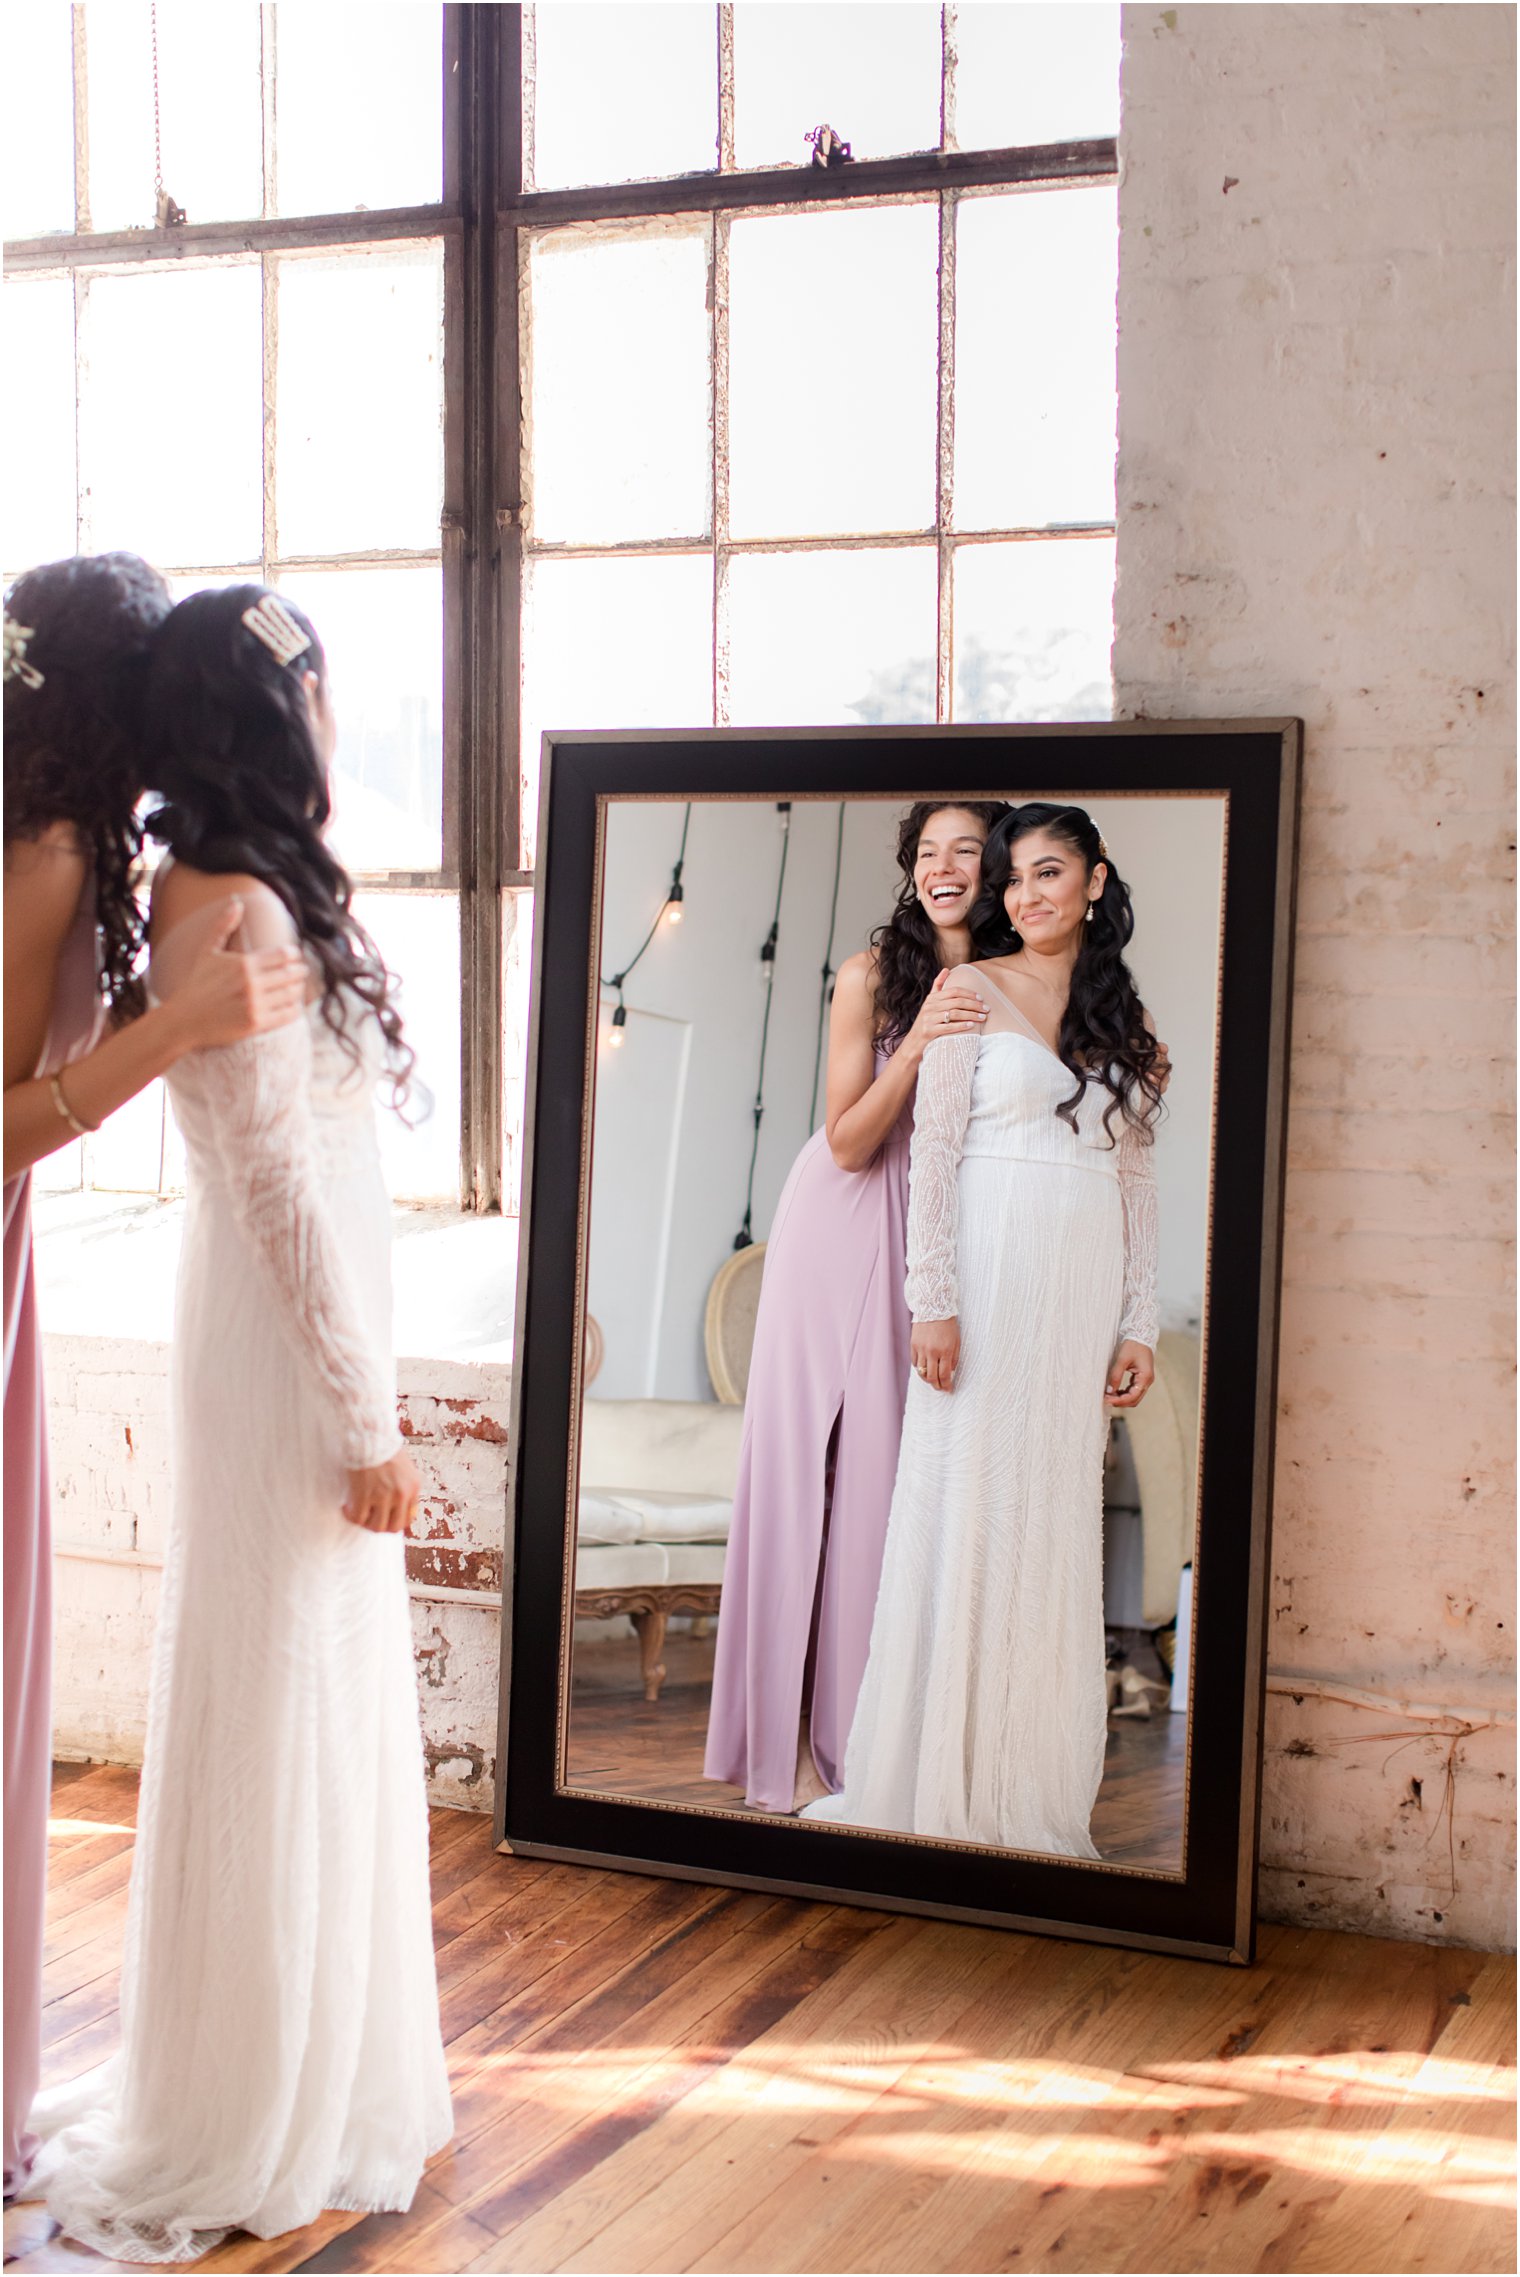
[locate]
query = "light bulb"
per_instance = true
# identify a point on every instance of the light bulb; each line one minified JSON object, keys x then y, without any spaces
{"x":619,"y":1029}
{"x":615,"y":1040}
{"x":673,"y":913}
{"x":673,"y":901}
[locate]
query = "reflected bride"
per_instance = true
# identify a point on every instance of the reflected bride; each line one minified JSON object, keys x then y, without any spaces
{"x":1032,"y":1285}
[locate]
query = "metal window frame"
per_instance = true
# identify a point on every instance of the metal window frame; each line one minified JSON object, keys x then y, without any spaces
{"x":486,"y":220}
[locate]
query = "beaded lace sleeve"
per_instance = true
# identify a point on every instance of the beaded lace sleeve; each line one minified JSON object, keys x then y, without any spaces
{"x":1140,"y":1321}
{"x":257,"y":1097}
{"x":941,"y":1109}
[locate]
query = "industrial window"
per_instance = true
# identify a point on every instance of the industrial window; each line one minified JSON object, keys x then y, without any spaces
{"x":584,"y":366}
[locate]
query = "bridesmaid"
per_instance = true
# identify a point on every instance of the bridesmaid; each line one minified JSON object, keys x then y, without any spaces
{"x":829,"y":1371}
{"x":76,"y":639}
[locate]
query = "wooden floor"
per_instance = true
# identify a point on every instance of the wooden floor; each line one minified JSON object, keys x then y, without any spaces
{"x":621,"y":1744}
{"x":654,"y":2075}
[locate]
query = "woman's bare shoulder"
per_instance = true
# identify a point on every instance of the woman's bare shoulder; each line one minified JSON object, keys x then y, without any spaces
{"x":181,"y":893}
{"x":44,"y":878}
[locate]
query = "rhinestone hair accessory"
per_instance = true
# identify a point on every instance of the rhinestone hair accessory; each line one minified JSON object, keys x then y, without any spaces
{"x":16,"y":666}
{"x":272,"y":623}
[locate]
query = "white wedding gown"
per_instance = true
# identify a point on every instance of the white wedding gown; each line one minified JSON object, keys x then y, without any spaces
{"x":281,"y":2050}
{"x":982,"y":1715}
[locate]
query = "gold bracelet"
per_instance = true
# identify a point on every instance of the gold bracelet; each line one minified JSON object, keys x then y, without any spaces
{"x":83,"y":1129}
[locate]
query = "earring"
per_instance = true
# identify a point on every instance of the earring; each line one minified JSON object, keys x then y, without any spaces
{"x":1089,"y":912}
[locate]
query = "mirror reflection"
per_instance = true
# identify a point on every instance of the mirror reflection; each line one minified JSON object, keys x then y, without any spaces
{"x":897,"y":1234}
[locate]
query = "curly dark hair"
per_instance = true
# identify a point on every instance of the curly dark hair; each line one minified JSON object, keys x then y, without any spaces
{"x":1103,"y":1030}
{"x":73,"y":745}
{"x":907,"y":946}
{"x":231,"y":752}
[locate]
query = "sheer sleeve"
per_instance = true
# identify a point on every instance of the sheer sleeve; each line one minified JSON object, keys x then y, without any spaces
{"x":1137,"y":1192}
{"x":941,"y":1108}
{"x":257,"y":1096}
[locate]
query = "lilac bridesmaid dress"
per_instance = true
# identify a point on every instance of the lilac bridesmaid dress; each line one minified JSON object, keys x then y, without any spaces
{"x":75,"y":1022}
{"x":831,"y":1347}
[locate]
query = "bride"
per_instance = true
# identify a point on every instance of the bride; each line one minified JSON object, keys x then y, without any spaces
{"x":281,"y":2050}
{"x":1031,"y":1281}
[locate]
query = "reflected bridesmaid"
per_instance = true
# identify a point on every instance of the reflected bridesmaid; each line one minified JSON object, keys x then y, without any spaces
{"x":829,"y":1371}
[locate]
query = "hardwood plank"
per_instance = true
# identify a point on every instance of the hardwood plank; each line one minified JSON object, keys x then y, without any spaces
{"x":74,"y":1858}
{"x":735,"y":1971}
{"x":69,"y":1893}
{"x":659,"y":2075}
{"x":906,"y":2128}
{"x":728,"y":2144}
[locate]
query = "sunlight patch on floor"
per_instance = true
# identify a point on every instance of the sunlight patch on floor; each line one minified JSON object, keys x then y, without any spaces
{"x":1348,"y":2079}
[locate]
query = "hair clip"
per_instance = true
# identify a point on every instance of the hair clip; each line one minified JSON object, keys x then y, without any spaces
{"x":1103,"y":849}
{"x":272,"y":623}
{"x":16,"y":666}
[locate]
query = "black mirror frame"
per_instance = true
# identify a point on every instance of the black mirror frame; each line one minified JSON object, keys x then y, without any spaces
{"x":1208,"y":1909}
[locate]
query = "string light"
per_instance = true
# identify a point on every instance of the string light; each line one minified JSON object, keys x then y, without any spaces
{"x":744,"y":1238}
{"x":670,"y":912}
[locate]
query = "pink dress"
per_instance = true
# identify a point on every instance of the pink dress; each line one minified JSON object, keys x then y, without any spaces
{"x":831,"y":1347}
{"x":75,"y":1023}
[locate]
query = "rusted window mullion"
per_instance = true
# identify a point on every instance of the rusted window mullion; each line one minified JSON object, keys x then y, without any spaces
{"x":725,"y":89}
{"x":269,"y":119}
{"x":81,"y":116}
{"x":721,"y":339}
{"x":949,"y":53}
{"x":944,"y":465}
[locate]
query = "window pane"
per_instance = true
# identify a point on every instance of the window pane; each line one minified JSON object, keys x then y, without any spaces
{"x":359,"y":113}
{"x":60,"y":1173}
{"x":623,"y":93}
{"x":38,"y":121}
{"x":620,"y":389}
{"x":1035,"y":74}
{"x":832,"y":372}
{"x":127,"y":1154}
{"x":613,"y":644}
{"x":212,"y":114}
{"x":382,"y":631}
{"x":870,"y":72}
{"x":418,"y":936}
{"x":1034,"y":359}
{"x":170,"y":414}
{"x":819,"y":637}
{"x":1033,"y":627}
{"x":39,"y":325}
{"x":359,"y":401}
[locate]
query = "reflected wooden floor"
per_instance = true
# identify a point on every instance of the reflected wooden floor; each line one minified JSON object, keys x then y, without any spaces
{"x":622,"y":1744}
{"x":655,"y":2075}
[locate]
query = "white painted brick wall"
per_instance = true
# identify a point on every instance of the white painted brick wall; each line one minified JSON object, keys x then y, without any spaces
{"x":1316,"y":485}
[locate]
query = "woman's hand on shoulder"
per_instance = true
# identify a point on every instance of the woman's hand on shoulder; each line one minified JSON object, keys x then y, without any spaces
{"x":227,"y":994}
{"x":953,"y":1007}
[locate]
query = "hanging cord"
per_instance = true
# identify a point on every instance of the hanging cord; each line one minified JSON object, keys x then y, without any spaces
{"x":744,"y":1238}
{"x":826,"y":982}
{"x":675,"y":892}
